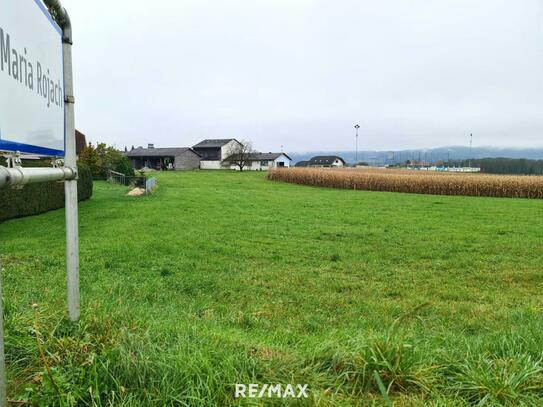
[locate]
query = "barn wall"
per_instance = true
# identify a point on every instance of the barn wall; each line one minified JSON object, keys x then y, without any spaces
{"x":188,"y":160}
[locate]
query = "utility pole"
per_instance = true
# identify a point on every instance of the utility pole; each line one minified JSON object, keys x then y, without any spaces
{"x":357,"y":126}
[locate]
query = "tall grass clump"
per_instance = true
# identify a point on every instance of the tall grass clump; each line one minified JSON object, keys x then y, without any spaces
{"x":435,"y":183}
{"x":58,"y":363}
{"x":388,"y":364}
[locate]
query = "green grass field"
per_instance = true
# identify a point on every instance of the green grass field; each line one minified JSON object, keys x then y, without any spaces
{"x":222,"y":278}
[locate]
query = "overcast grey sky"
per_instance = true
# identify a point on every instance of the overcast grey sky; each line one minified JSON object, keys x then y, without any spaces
{"x":301,"y":73}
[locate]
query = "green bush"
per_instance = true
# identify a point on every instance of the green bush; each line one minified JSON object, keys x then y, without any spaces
{"x":38,"y":198}
{"x":84,"y":183}
{"x":101,"y":159}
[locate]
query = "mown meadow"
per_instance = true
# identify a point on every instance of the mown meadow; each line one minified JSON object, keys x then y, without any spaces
{"x":371,"y":298}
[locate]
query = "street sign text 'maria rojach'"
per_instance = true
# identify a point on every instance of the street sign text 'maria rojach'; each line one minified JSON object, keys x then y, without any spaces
{"x":32,"y":118}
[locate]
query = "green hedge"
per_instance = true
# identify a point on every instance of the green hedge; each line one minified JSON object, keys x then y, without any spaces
{"x":38,"y":198}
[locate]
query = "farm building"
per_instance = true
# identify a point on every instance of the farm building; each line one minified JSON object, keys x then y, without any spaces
{"x":214,"y":152}
{"x":263,"y":161}
{"x":182,"y":158}
{"x":327,"y":161}
{"x":208,"y":154}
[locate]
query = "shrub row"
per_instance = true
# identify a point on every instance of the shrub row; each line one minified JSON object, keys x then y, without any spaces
{"x":502,"y":186}
{"x":38,"y":198}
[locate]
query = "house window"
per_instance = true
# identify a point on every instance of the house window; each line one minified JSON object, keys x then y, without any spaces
{"x":280,"y":164}
{"x":263,"y":163}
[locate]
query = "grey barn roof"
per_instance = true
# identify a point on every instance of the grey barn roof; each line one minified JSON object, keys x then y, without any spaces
{"x":158,"y":152}
{"x":302,"y":164}
{"x":325,"y":160}
{"x":213,"y":143}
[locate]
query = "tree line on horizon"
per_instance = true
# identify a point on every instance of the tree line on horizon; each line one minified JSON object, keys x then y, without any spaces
{"x":498,"y":165}
{"x":502,"y":165}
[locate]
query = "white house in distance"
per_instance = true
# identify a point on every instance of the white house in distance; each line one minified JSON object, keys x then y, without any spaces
{"x":326,"y":161}
{"x":214,"y":152}
{"x":265,"y":161}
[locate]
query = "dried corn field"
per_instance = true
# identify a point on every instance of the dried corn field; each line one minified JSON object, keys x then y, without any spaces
{"x":416,"y":182}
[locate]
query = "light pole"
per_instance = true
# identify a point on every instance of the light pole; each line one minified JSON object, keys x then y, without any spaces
{"x":357,"y":126}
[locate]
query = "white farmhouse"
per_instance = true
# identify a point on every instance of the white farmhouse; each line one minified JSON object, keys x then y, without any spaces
{"x":214,"y":152}
{"x":263,"y":161}
{"x":327,"y":161}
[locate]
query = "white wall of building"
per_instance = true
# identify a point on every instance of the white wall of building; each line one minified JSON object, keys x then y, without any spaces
{"x":227,"y":149}
{"x":336,"y":164}
{"x":258,"y":165}
{"x":282,"y":159}
{"x":210,"y":165}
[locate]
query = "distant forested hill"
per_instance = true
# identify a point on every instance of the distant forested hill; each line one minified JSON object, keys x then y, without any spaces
{"x":434,"y":154}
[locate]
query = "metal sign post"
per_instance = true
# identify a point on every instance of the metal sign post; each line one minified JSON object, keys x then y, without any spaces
{"x":37,"y":115}
{"x":70,"y":186}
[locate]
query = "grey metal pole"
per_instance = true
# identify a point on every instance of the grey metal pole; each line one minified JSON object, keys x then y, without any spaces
{"x":70,"y":191}
{"x":21,"y":176}
{"x":70,"y":187}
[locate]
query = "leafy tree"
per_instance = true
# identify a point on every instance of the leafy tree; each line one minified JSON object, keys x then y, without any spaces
{"x":90,"y":157}
{"x":101,"y":159}
{"x":123,"y":166}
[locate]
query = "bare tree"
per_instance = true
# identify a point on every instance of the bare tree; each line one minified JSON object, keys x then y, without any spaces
{"x":240,"y":155}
